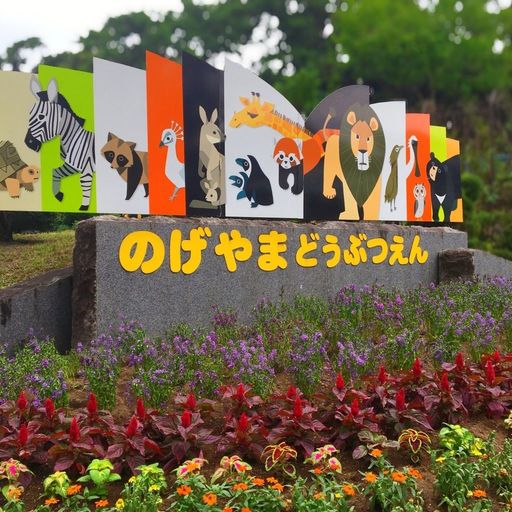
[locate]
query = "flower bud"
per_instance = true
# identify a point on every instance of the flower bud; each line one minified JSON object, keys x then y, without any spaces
{"x":186,"y":419}
{"x":74,"y":431}
{"x":340,"y":383}
{"x":49,"y":408}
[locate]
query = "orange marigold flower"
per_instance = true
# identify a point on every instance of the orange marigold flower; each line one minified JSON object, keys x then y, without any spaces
{"x":73,"y":489}
{"x":349,"y":490}
{"x":227,"y":509}
{"x":210,"y":499}
{"x":191,"y":467}
{"x":399,"y":477}
{"x":318,"y":495}
{"x":415,"y":473}
{"x":245,"y":509}
{"x":242,"y":486}
{"x":376,"y":453}
{"x":317,"y":471}
{"x":272,"y":480}
{"x":278,"y":487}
{"x":258,"y":482}
{"x":101,"y":503}
{"x":370,"y":477}
{"x":479,"y":493}
{"x":14,"y":493}
{"x":51,"y":501}
{"x":184,"y":490}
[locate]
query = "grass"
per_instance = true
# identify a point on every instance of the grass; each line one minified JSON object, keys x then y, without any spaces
{"x":33,"y":254}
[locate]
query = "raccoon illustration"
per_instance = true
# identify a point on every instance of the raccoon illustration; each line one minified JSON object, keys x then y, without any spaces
{"x":419,"y":193}
{"x":131,"y":165}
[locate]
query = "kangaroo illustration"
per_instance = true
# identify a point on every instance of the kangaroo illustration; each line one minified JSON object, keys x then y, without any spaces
{"x":211,"y":161}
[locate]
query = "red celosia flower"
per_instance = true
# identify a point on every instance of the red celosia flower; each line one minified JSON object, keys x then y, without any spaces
{"x":240,"y":392}
{"x":383,"y":376}
{"x":131,"y":429}
{"x":243,"y":422}
{"x":191,"y":402}
{"x":489,"y":372}
{"x":340,"y":383}
{"x":186,"y":418}
{"x":92,"y":405}
{"x":297,"y":407}
{"x":50,"y":408}
{"x":496,"y":356}
{"x":400,"y":399}
{"x":74,"y":431}
{"x":354,"y":407}
{"x":459,"y":361}
{"x":23,"y":435}
{"x":292,"y":392}
{"x":416,"y":368}
{"x":445,"y":383}
{"x":22,"y":401}
{"x":141,"y":411}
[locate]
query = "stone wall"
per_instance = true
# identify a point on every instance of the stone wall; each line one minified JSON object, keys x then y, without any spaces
{"x":42,"y":304}
{"x":104,"y":291}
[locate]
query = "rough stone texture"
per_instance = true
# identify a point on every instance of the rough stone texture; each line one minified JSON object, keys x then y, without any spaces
{"x":42,"y":304}
{"x":456,"y":264}
{"x":487,"y":264}
{"x":106,"y":291}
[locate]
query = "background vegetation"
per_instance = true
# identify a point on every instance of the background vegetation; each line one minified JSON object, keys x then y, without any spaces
{"x":451,"y":58}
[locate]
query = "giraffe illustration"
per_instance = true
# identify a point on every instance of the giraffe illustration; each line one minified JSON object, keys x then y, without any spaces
{"x":256,"y":114}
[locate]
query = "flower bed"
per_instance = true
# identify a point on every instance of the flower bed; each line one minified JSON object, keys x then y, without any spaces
{"x":307,"y":387}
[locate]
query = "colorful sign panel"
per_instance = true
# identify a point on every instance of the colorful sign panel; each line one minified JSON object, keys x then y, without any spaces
{"x":190,"y":139}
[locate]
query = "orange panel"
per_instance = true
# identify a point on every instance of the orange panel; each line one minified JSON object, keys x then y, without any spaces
{"x":165,"y":136}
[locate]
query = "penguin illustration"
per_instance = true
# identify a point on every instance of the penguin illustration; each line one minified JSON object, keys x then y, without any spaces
{"x":257,"y":189}
{"x":240,"y":182}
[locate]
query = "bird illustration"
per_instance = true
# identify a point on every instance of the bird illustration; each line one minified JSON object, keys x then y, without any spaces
{"x":174,"y":169}
{"x":392,"y":183}
{"x":257,"y":188}
{"x":412,"y":163}
{"x":240,"y":182}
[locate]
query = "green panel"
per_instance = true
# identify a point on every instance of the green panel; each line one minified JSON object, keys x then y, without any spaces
{"x":77,"y":88}
{"x":438,"y":142}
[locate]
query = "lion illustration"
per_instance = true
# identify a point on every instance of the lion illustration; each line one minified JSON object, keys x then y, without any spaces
{"x":356,"y":157}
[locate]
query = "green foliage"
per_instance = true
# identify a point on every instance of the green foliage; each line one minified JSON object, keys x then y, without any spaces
{"x":101,"y":473}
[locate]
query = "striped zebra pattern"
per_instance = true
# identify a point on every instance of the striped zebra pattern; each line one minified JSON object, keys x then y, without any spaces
{"x":52,"y":116}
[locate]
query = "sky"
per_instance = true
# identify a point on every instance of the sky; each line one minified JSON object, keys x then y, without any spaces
{"x":59,"y":23}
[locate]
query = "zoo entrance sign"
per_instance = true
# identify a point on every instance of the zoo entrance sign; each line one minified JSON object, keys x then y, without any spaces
{"x":187,"y":139}
{"x":148,"y":252}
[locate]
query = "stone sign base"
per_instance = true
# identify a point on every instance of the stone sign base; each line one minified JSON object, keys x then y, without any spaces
{"x":161,"y":270}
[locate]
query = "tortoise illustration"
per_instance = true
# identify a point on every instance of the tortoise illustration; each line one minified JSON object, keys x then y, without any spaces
{"x":14,"y":172}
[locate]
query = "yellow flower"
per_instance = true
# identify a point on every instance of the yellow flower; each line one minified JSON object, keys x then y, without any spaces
{"x":154,"y":487}
{"x":132,"y":479}
{"x":337,"y":495}
{"x":120,"y":504}
{"x":440,"y":459}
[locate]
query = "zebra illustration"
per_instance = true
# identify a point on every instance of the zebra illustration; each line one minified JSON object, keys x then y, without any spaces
{"x":52,"y":116}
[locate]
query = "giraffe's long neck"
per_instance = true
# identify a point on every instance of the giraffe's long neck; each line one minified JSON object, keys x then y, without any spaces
{"x":285,"y":126}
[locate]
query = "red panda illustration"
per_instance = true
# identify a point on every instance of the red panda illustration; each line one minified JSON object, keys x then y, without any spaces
{"x":289,"y":158}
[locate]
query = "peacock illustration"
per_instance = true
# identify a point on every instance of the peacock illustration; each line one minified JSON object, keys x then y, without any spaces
{"x":174,"y":169}
{"x":392,"y":183}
